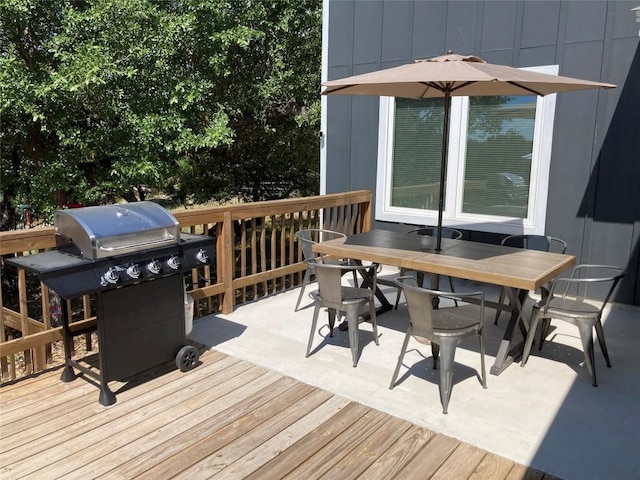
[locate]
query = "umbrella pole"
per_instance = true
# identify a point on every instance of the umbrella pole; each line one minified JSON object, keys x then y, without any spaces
{"x":443,"y":166}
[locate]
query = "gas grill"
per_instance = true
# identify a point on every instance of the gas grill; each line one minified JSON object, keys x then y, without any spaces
{"x":133,"y":257}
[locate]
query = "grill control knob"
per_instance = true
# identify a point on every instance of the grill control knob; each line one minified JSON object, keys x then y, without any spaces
{"x":202,"y":256}
{"x":111,"y":277}
{"x":173,"y":262}
{"x":133,"y":271}
{"x":154,"y":267}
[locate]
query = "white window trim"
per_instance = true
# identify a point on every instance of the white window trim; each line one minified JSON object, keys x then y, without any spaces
{"x":453,"y":215}
{"x":324,"y":74}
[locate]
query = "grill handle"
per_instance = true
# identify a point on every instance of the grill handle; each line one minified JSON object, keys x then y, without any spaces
{"x":134,"y":245}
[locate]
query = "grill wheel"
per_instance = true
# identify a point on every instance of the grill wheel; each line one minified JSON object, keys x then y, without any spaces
{"x":187,"y":358}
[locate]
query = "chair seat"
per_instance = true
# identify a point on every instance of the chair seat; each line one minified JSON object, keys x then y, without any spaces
{"x":350,"y":294}
{"x":568,"y":308}
{"x":447,"y":323}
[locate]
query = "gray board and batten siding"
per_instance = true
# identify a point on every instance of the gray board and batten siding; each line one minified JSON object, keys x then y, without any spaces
{"x":594,"y":179}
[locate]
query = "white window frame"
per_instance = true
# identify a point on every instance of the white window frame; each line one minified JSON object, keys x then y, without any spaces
{"x":453,"y":215}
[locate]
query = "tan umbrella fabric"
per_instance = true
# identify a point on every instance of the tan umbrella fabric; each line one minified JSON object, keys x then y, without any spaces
{"x":453,"y":75}
{"x":460,"y":75}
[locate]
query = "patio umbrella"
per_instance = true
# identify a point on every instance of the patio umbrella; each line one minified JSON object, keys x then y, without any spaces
{"x":453,"y":75}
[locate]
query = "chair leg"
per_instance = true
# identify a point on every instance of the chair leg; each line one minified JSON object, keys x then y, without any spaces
{"x":448,"y":346}
{"x":498,"y":308}
{"x":400,"y":358}
{"x":331,"y":312}
{"x":352,"y":320}
{"x":374,"y":322}
{"x":603,"y":344}
{"x":403,"y":272}
{"x":305,"y":282}
{"x":482,"y":365}
{"x":314,"y":322}
{"x":535,"y":316}
{"x":453,"y":289}
{"x":544,"y":331}
{"x":435,"y":352}
{"x":586,"y":335}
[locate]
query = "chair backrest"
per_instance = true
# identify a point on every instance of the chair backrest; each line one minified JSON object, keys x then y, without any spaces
{"x":419,"y":304}
{"x":309,"y":236}
{"x":329,"y":278}
{"x":586,"y":275}
{"x":543,"y":243}
{"x":447,"y":232}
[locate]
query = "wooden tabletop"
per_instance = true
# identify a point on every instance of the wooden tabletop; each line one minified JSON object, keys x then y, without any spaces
{"x":511,"y":267}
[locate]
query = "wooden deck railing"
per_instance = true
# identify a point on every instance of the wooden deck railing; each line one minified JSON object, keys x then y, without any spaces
{"x":256,"y":255}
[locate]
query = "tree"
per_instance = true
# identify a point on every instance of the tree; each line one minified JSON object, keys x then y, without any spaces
{"x":104,"y":99}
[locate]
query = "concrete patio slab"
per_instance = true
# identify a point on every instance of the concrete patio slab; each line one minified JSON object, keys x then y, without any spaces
{"x":546,"y":415}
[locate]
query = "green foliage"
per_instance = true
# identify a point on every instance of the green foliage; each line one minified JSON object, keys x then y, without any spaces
{"x":106,"y":99}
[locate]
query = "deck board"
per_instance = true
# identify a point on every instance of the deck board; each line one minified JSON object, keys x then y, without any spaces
{"x":225,"y":419}
{"x":250,"y":462}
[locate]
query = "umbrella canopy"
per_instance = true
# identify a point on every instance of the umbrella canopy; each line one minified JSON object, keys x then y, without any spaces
{"x":457,"y":74}
{"x":454,"y":75}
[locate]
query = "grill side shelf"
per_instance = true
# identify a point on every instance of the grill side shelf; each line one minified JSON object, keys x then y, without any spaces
{"x":68,"y":275}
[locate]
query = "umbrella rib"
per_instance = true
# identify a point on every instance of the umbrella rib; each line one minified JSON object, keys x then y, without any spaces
{"x":336,"y":89}
{"x":445,"y":86}
{"x":429,"y":85}
{"x":530,"y":90}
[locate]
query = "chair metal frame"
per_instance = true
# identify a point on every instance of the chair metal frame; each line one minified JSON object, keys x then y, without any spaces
{"x":443,"y":328}
{"x":542,"y":243}
{"x":447,"y":232}
{"x":335,"y":296}
{"x":308,"y":237}
{"x":585,"y":316}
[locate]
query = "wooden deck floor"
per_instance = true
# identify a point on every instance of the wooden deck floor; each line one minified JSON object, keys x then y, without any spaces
{"x":226,"y":418}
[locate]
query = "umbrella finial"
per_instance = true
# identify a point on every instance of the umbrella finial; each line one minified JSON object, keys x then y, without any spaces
{"x":452,"y":57}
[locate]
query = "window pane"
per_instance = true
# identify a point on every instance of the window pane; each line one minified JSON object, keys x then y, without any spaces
{"x":417,"y":153}
{"x":498,"y":161}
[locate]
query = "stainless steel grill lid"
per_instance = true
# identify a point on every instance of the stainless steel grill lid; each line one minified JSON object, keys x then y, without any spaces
{"x":110,"y":230}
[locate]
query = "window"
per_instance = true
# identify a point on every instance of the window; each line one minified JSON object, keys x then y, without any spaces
{"x":498,"y":165}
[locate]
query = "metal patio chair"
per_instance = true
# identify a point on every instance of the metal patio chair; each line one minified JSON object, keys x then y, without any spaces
{"x":451,"y":233}
{"x":445,"y":328}
{"x":307,"y":238}
{"x":334,"y":296}
{"x":574,"y":310}
{"x":542,"y":243}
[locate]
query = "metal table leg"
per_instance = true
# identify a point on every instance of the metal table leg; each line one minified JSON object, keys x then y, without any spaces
{"x":385,"y":305}
{"x":506,"y":354}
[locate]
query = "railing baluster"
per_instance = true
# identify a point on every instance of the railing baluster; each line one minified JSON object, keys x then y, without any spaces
{"x":243,"y":257}
{"x":4,"y":365}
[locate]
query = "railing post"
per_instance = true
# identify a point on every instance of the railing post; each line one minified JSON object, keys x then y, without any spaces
{"x":228,"y":300}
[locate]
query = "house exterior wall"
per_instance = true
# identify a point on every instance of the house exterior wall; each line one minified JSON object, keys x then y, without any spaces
{"x":594,"y":181}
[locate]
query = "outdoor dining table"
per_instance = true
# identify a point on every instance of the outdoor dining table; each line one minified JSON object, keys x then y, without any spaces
{"x":518,"y":270}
